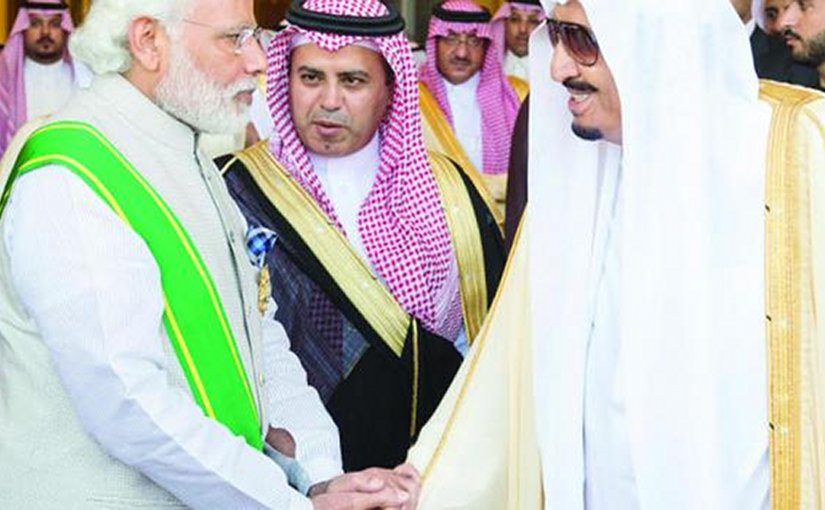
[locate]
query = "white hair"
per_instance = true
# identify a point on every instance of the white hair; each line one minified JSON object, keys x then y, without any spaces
{"x":101,"y":42}
{"x":193,"y":97}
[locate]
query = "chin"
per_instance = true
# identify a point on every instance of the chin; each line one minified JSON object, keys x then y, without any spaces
{"x":588,"y":133}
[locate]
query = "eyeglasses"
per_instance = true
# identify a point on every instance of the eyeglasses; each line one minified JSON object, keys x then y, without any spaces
{"x":578,"y":39}
{"x":454,"y":40}
{"x":238,"y":37}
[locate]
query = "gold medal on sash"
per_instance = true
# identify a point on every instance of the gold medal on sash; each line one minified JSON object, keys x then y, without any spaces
{"x":264,"y":289}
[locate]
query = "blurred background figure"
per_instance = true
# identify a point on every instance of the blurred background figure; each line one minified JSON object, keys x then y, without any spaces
{"x":36,"y":72}
{"x":771,"y":56}
{"x":467,"y":103}
{"x":512,"y":25}
{"x":803,"y":26}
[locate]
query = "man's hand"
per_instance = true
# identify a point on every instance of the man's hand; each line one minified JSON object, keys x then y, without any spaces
{"x":371,"y":488}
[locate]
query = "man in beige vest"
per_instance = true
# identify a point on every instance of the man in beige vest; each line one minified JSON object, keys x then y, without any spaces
{"x":107,"y":400}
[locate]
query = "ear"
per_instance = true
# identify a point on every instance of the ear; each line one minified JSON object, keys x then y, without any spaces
{"x":147,"y":39}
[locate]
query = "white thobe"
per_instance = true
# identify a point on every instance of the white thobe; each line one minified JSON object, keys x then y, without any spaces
{"x":466,"y":113}
{"x":609,"y":477}
{"x":517,"y":66}
{"x":347,"y":181}
{"x":48,"y":86}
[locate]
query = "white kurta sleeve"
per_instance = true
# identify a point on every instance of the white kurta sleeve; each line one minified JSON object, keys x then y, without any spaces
{"x":296,"y":406}
{"x":93,"y":289}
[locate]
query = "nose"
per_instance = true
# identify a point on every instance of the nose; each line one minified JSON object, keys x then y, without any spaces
{"x":562,"y":66}
{"x":789,"y":16}
{"x":41,"y":29}
{"x":524,"y":27}
{"x":461,"y":49}
{"x":254,"y":58}
{"x":331,"y":97}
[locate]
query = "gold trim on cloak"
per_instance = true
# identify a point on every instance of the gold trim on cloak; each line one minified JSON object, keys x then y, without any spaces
{"x":793,"y":191}
{"x":348,"y":269}
{"x":461,"y":220}
{"x":440,"y":137}
{"x":521,"y":87}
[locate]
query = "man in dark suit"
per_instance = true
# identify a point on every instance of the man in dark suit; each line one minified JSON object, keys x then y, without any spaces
{"x":771,"y":57}
{"x":803,"y":28}
{"x":773,"y":61}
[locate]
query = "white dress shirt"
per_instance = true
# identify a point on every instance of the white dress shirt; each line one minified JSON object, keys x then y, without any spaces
{"x":609,"y":477}
{"x":48,"y":86}
{"x":467,"y":117}
{"x":94,"y":290}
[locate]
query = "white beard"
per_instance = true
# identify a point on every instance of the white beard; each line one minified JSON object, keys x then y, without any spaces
{"x":193,"y":97}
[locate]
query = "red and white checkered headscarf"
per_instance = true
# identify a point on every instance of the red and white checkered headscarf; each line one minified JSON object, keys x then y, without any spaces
{"x":401,"y":222}
{"x":498,"y":23}
{"x":496,"y":98}
{"x":12,"y":87}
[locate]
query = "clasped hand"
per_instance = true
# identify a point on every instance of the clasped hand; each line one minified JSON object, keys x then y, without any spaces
{"x":368,"y":489}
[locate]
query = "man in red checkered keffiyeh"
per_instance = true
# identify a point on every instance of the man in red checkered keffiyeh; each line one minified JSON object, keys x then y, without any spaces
{"x":469,"y":105}
{"x":343,"y":94}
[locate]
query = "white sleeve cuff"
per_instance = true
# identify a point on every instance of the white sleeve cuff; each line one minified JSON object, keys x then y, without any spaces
{"x":322,"y":469}
{"x":299,"y":502}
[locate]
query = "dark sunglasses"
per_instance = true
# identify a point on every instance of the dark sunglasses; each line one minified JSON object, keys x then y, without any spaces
{"x":578,"y":39}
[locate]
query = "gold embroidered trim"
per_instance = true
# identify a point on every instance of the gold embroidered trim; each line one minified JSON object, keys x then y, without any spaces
{"x":441,"y":138}
{"x":372,"y":299}
{"x":472,"y":362}
{"x":520,"y":87}
{"x":787,"y":286}
{"x":461,"y":220}
{"x":416,"y":363}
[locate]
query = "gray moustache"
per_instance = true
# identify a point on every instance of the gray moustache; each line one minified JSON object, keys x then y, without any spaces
{"x":332,"y":117}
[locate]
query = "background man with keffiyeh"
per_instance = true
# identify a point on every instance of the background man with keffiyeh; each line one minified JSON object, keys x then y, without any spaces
{"x":36,"y":72}
{"x":468,"y":105}
{"x":512,"y":25}
{"x":383,"y":258}
{"x":137,"y":371}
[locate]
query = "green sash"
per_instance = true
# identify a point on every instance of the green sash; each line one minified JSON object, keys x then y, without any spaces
{"x":195,"y":319}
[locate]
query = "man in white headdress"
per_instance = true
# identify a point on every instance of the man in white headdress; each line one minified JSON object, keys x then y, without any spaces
{"x":655,"y":263}
{"x":658,"y":317}
{"x":137,"y":372}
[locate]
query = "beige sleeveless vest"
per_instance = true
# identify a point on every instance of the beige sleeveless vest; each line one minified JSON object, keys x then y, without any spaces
{"x":47,"y":459}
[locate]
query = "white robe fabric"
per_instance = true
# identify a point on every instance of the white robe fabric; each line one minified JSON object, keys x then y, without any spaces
{"x":347,"y":181}
{"x":517,"y":66}
{"x":690,"y":329}
{"x":466,"y":112}
{"x":48,"y":86}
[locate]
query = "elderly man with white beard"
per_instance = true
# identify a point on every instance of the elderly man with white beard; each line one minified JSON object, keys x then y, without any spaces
{"x":136,"y":370}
